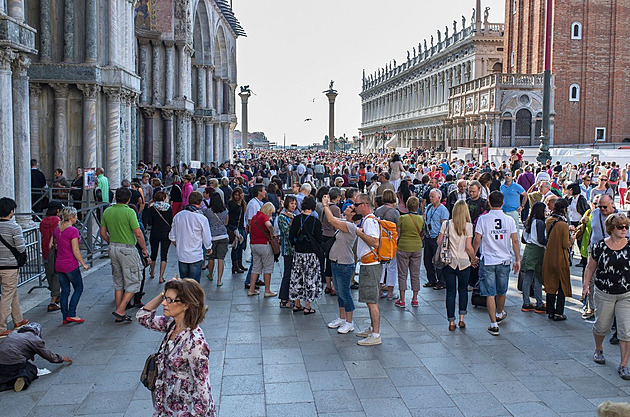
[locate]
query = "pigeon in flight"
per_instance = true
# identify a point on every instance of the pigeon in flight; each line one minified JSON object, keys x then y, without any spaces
{"x":308,"y":120}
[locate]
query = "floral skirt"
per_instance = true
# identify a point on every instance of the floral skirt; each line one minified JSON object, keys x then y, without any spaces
{"x":306,"y":277}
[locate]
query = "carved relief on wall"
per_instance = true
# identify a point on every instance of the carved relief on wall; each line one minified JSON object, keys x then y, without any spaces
{"x":183,"y":21}
{"x":469,"y":104}
{"x":484,"y":102}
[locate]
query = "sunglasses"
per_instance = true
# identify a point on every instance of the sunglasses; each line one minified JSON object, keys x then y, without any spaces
{"x":603,"y":179}
{"x":170,"y":300}
{"x":603,"y":207}
{"x":358,"y":204}
{"x":621,"y":227}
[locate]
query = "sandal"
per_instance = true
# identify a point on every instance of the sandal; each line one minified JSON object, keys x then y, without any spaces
{"x":327,"y":290}
{"x":121,"y":319}
{"x":308,"y":311}
{"x":285,"y":304}
{"x":162,"y":281}
{"x":219,"y":285}
{"x":297,"y":309}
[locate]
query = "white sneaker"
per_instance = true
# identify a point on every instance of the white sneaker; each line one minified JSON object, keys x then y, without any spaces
{"x":336,"y":323}
{"x":370,"y":341}
{"x":346,"y":328}
{"x":365,"y":333}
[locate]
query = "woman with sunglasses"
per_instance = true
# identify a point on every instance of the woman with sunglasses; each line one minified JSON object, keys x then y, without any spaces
{"x":602,"y":187}
{"x":608,"y":265}
{"x":182,"y":386}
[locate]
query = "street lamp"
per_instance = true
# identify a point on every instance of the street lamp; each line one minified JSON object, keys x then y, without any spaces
{"x":543,"y":154}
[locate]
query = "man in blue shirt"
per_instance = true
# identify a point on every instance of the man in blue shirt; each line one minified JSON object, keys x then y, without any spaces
{"x":445,"y":167}
{"x":434,"y":215}
{"x":514,"y":198}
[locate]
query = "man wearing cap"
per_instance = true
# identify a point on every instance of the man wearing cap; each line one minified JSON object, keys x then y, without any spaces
{"x":17,"y":351}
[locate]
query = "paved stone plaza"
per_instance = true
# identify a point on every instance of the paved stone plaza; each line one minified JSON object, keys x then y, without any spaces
{"x":268,"y":361}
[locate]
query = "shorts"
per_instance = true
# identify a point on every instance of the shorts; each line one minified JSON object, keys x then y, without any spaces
{"x":493,"y":279}
{"x":262,"y":259}
{"x":369,"y":279}
{"x":126,"y":267}
{"x":219,"y":249}
{"x":607,"y":306}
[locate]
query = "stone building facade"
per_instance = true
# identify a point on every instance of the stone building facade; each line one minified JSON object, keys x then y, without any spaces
{"x":590,"y":63}
{"x":404,"y":105}
{"x":111,"y":82}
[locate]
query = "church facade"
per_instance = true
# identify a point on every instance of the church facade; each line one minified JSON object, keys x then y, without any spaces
{"x":111,"y":82}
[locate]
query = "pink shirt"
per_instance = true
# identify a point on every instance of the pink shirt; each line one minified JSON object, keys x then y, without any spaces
{"x":66,"y":262}
{"x":186,"y":191}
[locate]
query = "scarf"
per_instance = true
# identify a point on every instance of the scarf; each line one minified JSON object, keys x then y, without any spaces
{"x":161,"y":205}
{"x":194,"y":209}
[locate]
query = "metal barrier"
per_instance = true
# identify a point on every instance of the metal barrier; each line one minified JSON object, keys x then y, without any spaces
{"x":34,"y":269}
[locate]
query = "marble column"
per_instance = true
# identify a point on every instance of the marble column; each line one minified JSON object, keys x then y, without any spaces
{"x":156,"y":72}
{"x":188,"y":130}
{"x":220,"y":96}
{"x":91,"y":30}
{"x":68,"y":31}
{"x":218,"y":139}
{"x":169,"y":74}
{"x":180,"y":138}
{"x":34,"y":104}
{"x":199,"y":140}
{"x":16,"y":9}
{"x":134,"y":132}
{"x":144,"y":70}
{"x":332,"y":95}
{"x":148,"y":113}
{"x":209,"y":145}
{"x":201,"y":86}
{"x":61,"y":127}
{"x":113,"y":136}
{"x":230,"y":143}
{"x":210,"y":86}
{"x":7,"y":162}
{"x":185,"y":70}
{"x":113,"y":42}
{"x":90,"y":92}
{"x":244,"y":95}
{"x":167,"y":140}
{"x":127,"y":168}
{"x":21,"y":138}
{"x":45,"y":34}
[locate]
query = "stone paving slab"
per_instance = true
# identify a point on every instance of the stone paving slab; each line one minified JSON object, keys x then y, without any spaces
{"x":267,"y":361}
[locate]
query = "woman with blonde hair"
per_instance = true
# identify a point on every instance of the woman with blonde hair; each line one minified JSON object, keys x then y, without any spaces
{"x":261,"y":231}
{"x":182,"y":386}
{"x":459,"y":233}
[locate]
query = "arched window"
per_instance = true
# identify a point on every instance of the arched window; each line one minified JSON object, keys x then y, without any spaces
{"x":576,"y":30}
{"x":574,"y":92}
{"x":497,"y":68}
{"x":523,"y":123}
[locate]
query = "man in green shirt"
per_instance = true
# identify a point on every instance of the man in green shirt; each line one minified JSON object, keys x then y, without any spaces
{"x":121,"y":230}
{"x":102,"y":184}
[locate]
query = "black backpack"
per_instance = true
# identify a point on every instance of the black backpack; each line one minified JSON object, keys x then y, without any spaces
{"x":614,"y":175}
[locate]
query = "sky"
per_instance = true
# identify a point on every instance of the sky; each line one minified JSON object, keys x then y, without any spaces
{"x":294,"y":48}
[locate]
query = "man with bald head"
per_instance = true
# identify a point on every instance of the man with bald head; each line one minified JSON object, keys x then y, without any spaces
{"x":454,"y":196}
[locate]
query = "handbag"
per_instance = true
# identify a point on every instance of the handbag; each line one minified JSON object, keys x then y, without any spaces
{"x":327,"y":245}
{"x":442,"y":257}
{"x":20,"y":257}
{"x":149,"y":372}
{"x":273,"y":240}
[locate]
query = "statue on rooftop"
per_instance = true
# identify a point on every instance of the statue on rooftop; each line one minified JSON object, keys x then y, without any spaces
{"x":408,"y":55}
{"x":445,"y":32}
{"x":414,"y":51}
{"x":439,"y":36}
{"x":431,"y":41}
{"x":454,"y":27}
{"x":425,"y":45}
{"x":463,"y":22}
{"x":486,"y":14}
{"x":472,"y":19}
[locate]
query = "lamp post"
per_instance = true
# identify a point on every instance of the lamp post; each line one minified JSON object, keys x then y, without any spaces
{"x":543,"y":154}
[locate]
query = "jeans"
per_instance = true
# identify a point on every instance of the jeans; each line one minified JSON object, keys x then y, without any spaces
{"x":456,"y":280}
{"x":529,"y":279}
{"x":342,"y":275}
{"x":555,"y":303}
{"x":74,"y":278}
{"x":286,"y":277}
{"x":192,"y":270}
{"x":434,"y":275}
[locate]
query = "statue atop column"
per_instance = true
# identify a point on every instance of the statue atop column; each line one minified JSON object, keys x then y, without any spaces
{"x":431,"y":41}
{"x":425,"y":46}
{"x":439,"y":35}
{"x":472,"y":19}
{"x":486,"y":14}
{"x":330,"y":87}
{"x":454,"y":27}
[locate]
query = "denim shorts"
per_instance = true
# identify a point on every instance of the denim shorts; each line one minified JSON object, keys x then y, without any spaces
{"x":493,"y":279}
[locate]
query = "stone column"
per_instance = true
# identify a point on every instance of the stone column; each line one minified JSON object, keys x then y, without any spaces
{"x":210,"y":87}
{"x":91,"y":30}
{"x":127,"y":168}
{"x":61,"y":127}
{"x":21,"y":138}
{"x":169,"y":75}
{"x":332,"y":95}
{"x":134,"y":131}
{"x":180,"y":138}
{"x":201,"y":86}
{"x":199,"y":140}
{"x":218,"y":142}
{"x":36,"y":94}
{"x":230,"y":142}
{"x":144,"y":70}
{"x":188,"y":130}
{"x":219,"y":96}
{"x":167,"y":141}
{"x":16,"y":10}
{"x":185,"y":52}
{"x":147,"y":113}
{"x":90,"y":91}
{"x":156,"y":72}
{"x":7,"y":162}
{"x":245,"y":94}
{"x":68,"y":31}
{"x":113,"y":42}
{"x":45,"y":36}
{"x":113,"y":136}
{"x":209,"y":148}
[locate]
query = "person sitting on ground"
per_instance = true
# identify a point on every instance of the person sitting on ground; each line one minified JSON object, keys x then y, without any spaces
{"x":17,"y":350}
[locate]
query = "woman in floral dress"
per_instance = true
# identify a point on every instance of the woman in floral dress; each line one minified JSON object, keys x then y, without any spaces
{"x":306,"y":273}
{"x":182,"y":387}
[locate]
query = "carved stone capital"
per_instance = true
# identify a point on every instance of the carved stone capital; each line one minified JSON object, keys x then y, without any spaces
{"x":169,"y":43}
{"x":61,"y":90}
{"x":35,"y":90}
{"x":112,"y":93}
{"x":148,"y":112}
{"x":156,"y":42}
{"x":144,"y":41}
{"x":90,"y":91}
{"x":7,"y":55}
{"x":20,"y":64}
{"x":166,"y":114}
{"x":198,"y":121}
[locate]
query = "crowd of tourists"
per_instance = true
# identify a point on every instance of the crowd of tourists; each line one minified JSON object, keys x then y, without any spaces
{"x":467,"y":224}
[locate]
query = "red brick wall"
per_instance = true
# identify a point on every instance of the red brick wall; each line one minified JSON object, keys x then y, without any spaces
{"x":599,"y":63}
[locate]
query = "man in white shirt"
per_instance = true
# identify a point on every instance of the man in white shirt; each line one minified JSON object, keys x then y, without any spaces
{"x":497,"y":231}
{"x":190,"y":233}
{"x":369,"y":272}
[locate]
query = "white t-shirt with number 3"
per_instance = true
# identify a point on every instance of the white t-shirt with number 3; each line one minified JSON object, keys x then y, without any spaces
{"x":496,"y":229}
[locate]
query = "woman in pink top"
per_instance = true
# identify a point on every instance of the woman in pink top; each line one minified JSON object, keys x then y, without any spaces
{"x":186,"y":189}
{"x":67,"y":264}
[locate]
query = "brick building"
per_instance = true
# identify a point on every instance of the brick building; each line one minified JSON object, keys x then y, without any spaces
{"x":590,"y":64}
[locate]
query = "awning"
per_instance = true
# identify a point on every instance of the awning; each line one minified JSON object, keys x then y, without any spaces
{"x":393,"y":142}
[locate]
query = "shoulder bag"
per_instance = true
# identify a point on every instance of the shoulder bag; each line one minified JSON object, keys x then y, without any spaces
{"x":20,"y":257}
{"x":415,"y":224}
{"x":442,"y":257}
{"x":149,"y":372}
{"x":273,"y":240}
